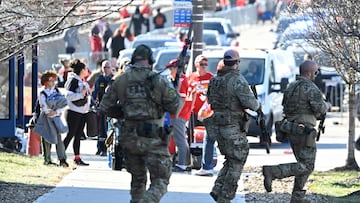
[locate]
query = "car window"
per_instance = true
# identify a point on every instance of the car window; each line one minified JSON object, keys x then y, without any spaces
{"x":253,"y":69}
{"x":214,"y":26}
{"x":210,"y":39}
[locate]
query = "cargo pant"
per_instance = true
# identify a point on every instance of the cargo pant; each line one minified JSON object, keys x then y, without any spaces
{"x":142,"y":154}
{"x":233,"y":144}
{"x":302,"y":169}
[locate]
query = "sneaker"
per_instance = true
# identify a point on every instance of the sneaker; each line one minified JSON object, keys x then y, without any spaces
{"x":180,"y":170}
{"x":103,"y":153}
{"x":63,"y":163}
{"x":204,"y":172}
{"x":97,"y":153}
{"x":80,"y":162}
{"x":49,"y":163}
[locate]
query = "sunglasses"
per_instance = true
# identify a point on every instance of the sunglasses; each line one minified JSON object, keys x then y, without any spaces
{"x":316,"y":73}
{"x":203,"y":64}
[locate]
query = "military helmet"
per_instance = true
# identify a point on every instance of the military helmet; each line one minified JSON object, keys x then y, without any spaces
{"x":142,"y":52}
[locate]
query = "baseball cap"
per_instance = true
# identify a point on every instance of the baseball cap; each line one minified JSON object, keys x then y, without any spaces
{"x":231,"y":55}
{"x":199,"y":58}
{"x":172,"y":63}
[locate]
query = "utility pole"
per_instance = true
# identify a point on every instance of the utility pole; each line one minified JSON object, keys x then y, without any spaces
{"x":197,"y":25}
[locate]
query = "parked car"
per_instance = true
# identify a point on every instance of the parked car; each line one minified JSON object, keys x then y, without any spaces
{"x":211,"y":38}
{"x":328,"y":80}
{"x":273,"y":71}
{"x":224,"y":27}
{"x":152,"y":40}
{"x":296,"y":31}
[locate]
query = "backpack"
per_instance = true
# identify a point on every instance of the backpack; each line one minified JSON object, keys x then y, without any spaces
{"x":37,"y":109}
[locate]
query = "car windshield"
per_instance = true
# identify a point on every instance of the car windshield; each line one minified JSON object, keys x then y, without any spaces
{"x":252,"y":69}
{"x":164,"y":59}
{"x":214,"y":26}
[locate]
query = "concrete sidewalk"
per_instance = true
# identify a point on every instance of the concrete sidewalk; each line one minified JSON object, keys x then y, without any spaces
{"x":98,"y":183}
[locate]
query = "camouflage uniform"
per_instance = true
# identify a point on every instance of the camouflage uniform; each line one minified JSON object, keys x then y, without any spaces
{"x":142,"y":135}
{"x":303,"y":104}
{"x":229,"y":95}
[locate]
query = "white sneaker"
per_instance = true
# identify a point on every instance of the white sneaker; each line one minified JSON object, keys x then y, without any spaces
{"x":204,"y":172}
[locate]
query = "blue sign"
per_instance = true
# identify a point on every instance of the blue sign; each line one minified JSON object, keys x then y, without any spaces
{"x":182,"y":13}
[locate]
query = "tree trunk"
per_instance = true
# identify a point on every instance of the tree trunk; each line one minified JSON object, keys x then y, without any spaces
{"x":351,"y":161}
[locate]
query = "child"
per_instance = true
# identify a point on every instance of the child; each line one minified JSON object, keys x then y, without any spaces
{"x":51,"y":102}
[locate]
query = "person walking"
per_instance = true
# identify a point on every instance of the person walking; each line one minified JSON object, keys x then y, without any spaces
{"x":229,"y":95}
{"x":51,"y":104}
{"x":137,"y":20}
{"x":71,"y":38}
{"x":159,"y":19}
{"x":144,"y":96}
{"x":198,"y":84}
{"x":106,"y":36}
{"x":116,"y":42}
{"x":179,"y":120}
{"x":99,"y":90}
{"x":95,"y":44}
{"x":78,"y":92}
{"x":303,"y":104}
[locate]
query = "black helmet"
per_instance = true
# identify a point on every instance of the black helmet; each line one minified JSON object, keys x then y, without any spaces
{"x":142,"y":52}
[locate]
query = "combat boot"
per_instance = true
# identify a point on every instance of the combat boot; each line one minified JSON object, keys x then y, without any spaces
{"x":268,"y":178}
{"x":299,"y":197}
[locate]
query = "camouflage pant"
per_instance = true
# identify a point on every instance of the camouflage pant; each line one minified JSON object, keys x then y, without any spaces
{"x":234,"y":145}
{"x":142,"y":154}
{"x":302,"y":169}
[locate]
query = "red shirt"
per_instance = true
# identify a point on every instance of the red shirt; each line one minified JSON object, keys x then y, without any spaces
{"x":186,"y":109}
{"x":95,"y":43}
{"x":199,"y":84}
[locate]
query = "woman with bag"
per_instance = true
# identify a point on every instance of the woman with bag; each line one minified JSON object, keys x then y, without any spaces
{"x":49,"y":124}
{"x":78,"y":98}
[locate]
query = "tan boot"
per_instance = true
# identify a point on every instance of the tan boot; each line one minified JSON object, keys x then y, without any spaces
{"x":268,"y":178}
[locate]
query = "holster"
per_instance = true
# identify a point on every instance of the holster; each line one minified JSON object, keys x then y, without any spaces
{"x":165,"y":134}
{"x":299,"y":133}
{"x":244,"y":123}
{"x":281,"y":136}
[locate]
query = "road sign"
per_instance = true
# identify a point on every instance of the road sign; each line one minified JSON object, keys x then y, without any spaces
{"x":182,"y":13}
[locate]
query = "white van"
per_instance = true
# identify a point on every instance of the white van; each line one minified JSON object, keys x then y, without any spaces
{"x":272,"y":70}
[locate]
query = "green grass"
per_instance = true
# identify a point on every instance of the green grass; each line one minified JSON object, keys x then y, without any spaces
{"x":16,"y":168}
{"x":336,"y":185}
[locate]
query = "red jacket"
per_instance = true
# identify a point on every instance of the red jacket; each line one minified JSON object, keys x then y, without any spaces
{"x":95,"y":43}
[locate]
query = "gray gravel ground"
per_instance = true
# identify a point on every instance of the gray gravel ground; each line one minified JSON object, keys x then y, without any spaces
{"x":256,"y":193}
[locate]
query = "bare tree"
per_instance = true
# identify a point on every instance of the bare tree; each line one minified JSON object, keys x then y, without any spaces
{"x":337,"y":34}
{"x":24,"y":22}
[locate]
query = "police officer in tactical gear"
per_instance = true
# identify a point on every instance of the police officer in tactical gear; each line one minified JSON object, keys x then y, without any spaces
{"x":144,"y":96}
{"x":303,"y":104}
{"x":229,"y":95}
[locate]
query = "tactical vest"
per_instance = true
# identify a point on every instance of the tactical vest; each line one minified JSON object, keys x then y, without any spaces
{"x":295,"y":101}
{"x":139,"y":102}
{"x":220,"y":93}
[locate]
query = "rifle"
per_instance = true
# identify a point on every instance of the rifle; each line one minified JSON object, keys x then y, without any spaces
{"x":321,"y":127}
{"x":182,"y":57}
{"x":265,"y":136}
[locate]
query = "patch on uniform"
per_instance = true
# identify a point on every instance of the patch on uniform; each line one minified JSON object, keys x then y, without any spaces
{"x":172,"y":93}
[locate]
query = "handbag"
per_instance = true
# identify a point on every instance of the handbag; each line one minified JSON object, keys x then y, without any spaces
{"x":91,"y":124}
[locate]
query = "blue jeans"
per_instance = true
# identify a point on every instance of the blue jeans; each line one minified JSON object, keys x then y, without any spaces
{"x":208,"y":153}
